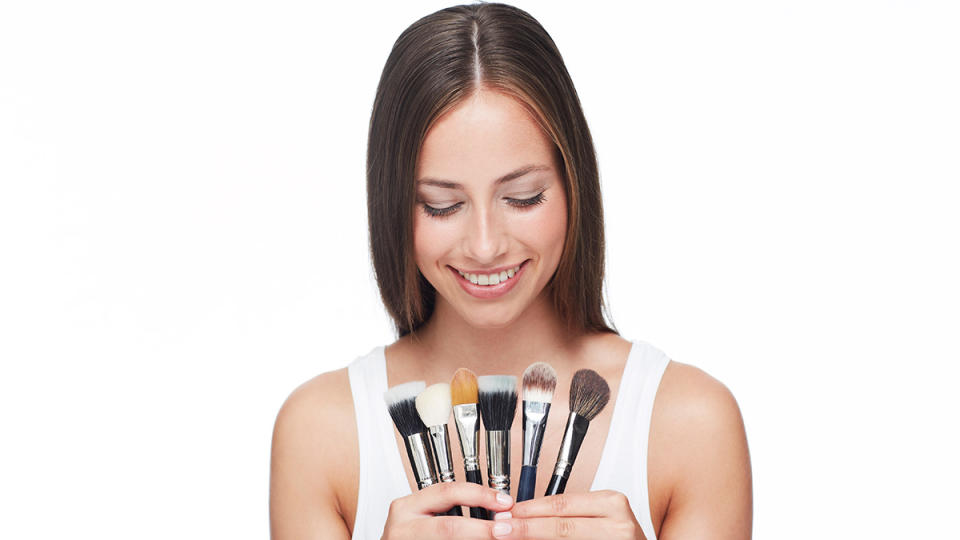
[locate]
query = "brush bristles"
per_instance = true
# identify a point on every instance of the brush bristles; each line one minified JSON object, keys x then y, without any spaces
{"x":589,"y":393}
{"x":434,"y":405}
{"x":463,"y":388}
{"x":498,"y":401}
{"x":539,"y":382}
{"x":402,"y":407}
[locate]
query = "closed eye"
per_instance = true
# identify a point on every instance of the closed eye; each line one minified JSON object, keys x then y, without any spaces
{"x":522,"y":203}
{"x":440,"y":212}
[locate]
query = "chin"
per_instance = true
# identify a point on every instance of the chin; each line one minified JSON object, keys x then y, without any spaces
{"x":490,"y":319}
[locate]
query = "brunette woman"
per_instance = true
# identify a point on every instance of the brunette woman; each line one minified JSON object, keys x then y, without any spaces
{"x":486,"y":232}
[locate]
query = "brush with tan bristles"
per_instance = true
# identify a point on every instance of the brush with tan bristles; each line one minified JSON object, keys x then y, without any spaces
{"x":464,"y":397}
{"x":589,"y":394}
{"x":539,"y":382}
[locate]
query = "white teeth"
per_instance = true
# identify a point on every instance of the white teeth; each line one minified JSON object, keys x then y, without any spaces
{"x":490,"y":279}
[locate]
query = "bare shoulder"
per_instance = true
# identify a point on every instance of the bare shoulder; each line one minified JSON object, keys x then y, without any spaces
{"x":314,"y":464}
{"x":699,"y":457}
{"x":689,"y":394}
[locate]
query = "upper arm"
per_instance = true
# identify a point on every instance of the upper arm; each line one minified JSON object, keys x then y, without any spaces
{"x":310,"y":448}
{"x":712,"y":495}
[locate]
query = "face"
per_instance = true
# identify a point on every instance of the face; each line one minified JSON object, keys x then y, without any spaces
{"x":491,"y":211}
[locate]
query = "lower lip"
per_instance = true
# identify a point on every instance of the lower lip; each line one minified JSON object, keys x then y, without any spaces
{"x":489,"y":291}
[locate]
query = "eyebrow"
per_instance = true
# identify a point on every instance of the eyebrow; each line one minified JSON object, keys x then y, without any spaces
{"x":505,"y":178}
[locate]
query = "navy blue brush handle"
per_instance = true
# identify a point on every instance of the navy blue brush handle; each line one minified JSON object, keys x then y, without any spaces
{"x":557,"y":485}
{"x":528,"y":482}
{"x":477,"y":512}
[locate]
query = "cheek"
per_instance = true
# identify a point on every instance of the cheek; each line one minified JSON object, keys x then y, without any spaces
{"x":430,"y":241}
{"x":552,"y":228}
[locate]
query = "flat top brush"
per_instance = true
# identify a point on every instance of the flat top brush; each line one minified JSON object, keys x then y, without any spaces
{"x":589,"y":394}
{"x":464,"y":397}
{"x":401,"y":403}
{"x":539,"y":383}
{"x":498,"y":406}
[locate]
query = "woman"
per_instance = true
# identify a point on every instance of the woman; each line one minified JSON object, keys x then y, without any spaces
{"x":487,"y":240}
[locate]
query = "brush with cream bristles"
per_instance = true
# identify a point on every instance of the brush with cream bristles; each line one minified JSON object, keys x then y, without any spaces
{"x":464,"y":398}
{"x":589,"y":394}
{"x":498,"y":406}
{"x":402,"y":406}
{"x":433,"y":405}
{"x":539,"y":382}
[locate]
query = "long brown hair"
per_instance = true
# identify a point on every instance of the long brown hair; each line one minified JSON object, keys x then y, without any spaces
{"x":434,"y":64}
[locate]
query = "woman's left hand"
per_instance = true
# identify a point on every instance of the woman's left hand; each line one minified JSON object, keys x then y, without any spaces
{"x":598,"y":514}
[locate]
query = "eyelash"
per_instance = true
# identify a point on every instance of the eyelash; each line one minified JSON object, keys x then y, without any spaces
{"x":539,"y":198}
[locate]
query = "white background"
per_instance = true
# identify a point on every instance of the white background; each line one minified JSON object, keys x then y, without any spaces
{"x":183,"y":242}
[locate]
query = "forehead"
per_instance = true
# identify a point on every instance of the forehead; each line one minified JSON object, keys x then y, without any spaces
{"x":485,"y":136}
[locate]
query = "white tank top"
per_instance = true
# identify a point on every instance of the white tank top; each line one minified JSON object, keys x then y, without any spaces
{"x":622,"y":464}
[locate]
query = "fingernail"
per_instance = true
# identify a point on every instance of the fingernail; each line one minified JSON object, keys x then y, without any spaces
{"x":503,"y":498}
{"x":502,"y":529}
{"x":502,"y":515}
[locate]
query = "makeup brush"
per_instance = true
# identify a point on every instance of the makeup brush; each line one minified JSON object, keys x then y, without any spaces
{"x":433,"y":405}
{"x":498,"y":406}
{"x":589,"y":394}
{"x":401,"y":404}
{"x":539,"y":382}
{"x":464,"y":397}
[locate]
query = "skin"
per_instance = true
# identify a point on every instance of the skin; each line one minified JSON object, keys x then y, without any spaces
{"x":699,"y":473}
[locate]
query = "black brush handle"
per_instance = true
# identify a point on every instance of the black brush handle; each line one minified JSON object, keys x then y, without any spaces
{"x":557,"y":485}
{"x":455,"y":511}
{"x":528,"y":482}
{"x":477,"y":512}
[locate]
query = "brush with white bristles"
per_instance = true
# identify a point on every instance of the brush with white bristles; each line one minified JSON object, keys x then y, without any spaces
{"x":589,"y":394}
{"x":498,"y":406}
{"x":433,"y":405}
{"x":539,"y":382}
{"x":401,"y":403}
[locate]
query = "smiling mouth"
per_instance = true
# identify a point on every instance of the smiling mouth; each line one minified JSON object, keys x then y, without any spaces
{"x":490,"y":279}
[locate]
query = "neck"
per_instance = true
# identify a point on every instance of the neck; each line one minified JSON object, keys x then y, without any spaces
{"x":449,"y":342}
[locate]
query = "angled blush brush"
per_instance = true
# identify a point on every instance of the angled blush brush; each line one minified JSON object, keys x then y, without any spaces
{"x":589,"y":394}
{"x":498,"y":406}
{"x":464,"y":398}
{"x":433,"y":404}
{"x":539,"y":382}
{"x":401,"y":404}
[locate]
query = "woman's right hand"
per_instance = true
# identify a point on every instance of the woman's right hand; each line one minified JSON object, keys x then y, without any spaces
{"x":414,"y":516}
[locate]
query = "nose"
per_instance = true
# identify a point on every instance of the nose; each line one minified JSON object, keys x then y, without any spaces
{"x":485,"y":238}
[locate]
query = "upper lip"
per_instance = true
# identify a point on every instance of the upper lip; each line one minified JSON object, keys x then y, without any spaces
{"x":490,"y":270}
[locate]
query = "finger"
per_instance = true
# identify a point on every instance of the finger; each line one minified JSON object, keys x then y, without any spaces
{"x":441,"y":497}
{"x":551,"y":528}
{"x":447,"y":527}
{"x":592,"y":504}
{"x":545,"y":528}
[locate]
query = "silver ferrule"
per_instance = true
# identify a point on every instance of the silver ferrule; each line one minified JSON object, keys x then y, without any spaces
{"x":468,"y":428}
{"x":440,"y":438}
{"x":534,"y":424}
{"x":572,"y":437}
{"x":421,"y":459}
{"x":498,"y":460}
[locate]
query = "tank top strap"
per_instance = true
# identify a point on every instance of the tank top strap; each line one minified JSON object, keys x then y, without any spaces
{"x":623,"y":464}
{"x":382,"y":476}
